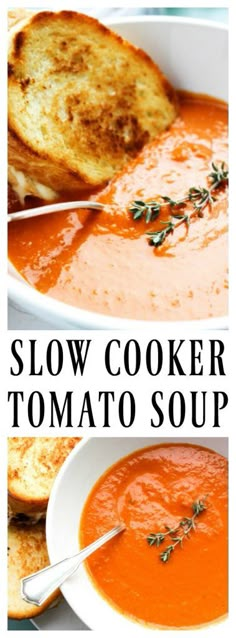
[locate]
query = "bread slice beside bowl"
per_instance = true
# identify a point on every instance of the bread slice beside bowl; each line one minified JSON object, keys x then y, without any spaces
{"x":81,"y":102}
{"x":33,"y":464}
{"x":27,"y":553}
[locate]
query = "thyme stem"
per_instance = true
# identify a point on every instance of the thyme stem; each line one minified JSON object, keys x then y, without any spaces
{"x":199,"y":198}
{"x":184,"y":527}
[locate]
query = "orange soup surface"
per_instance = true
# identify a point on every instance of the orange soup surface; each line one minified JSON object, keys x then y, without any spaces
{"x":149,"y":490}
{"x":102,"y":261}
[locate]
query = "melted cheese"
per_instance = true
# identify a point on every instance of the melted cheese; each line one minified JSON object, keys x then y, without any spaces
{"x":29,"y":519}
{"x":24,"y":185}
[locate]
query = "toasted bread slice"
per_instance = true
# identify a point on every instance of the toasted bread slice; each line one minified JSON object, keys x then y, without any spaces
{"x":33,"y":464}
{"x":27,"y":553}
{"x":82,"y":101}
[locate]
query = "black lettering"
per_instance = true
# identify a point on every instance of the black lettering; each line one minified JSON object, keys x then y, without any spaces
{"x":108,"y":357}
{"x":32,"y":371}
{"x":15,"y":396}
{"x":195,"y":357}
{"x":196,"y":423}
{"x":216,"y":358}
{"x":127,"y":357}
{"x":87,"y":410}
{"x":157,"y":357}
{"x":172,"y":409}
{"x":78,"y":358}
{"x":106,"y":394}
{"x":17,"y":357}
{"x":57,"y":413}
{"x":54,"y":354}
{"x":219,"y":405}
{"x":157,"y":410}
{"x":127,"y":419}
{"x":36,"y":405}
{"x":174,"y":361}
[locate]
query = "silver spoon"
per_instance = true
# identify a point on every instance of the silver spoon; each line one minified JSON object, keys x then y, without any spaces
{"x":53,"y":208}
{"x":37,"y":587}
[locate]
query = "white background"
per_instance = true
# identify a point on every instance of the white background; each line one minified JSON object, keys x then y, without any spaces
{"x":96,"y":379}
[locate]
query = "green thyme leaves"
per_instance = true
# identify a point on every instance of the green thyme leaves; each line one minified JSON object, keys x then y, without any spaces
{"x":178,"y":533}
{"x":199,"y":197}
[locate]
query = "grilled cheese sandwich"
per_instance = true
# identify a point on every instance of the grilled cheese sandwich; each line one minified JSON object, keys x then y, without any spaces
{"x":33,"y":464}
{"x":27,"y":553}
{"x":81,"y":102}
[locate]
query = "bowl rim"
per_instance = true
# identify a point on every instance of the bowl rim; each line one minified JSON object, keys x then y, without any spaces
{"x":188,"y":20}
{"x":86,"y":319}
{"x":49,"y":308}
{"x":140,"y":443}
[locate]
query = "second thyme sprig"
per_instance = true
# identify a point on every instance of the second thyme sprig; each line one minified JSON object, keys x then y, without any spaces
{"x":178,"y":533}
{"x":199,"y":197}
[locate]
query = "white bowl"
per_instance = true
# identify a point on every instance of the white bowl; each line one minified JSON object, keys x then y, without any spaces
{"x":87,"y":462}
{"x":194,"y":56}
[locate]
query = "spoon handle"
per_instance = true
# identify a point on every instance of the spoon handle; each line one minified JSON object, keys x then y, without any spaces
{"x":53,"y":208}
{"x":37,"y":587}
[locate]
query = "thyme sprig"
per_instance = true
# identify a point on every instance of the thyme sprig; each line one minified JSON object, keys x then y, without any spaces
{"x":178,"y":533}
{"x":199,"y":198}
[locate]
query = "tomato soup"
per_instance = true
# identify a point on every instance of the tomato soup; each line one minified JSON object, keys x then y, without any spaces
{"x":102,"y":261}
{"x":149,"y":490}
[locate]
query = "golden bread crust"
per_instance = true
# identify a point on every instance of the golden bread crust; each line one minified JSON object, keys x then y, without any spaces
{"x":33,"y":464}
{"x":82,"y":100}
{"x":27,"y":553}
